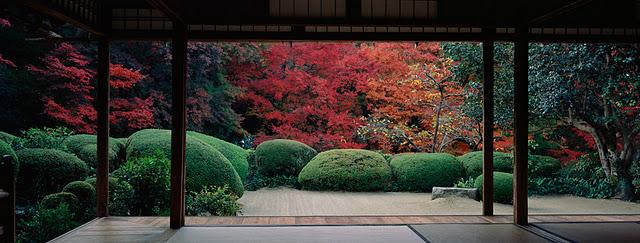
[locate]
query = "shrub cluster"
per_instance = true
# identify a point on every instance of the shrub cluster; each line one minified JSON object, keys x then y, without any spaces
{"x":46,"y":171}
{"x":85,"y":147}
{"x":502,"y":187}
{"x":502,"y":162}
{"x":206,"y":166}
{"x":346,"y":170}
{"x":43,"y":223}
{"x":213,"y":201}
{"x":48,"y":138}
{"x":234,"y":153}
{"x":149,"y":177}
{"x":422,"y":171}
{"x":121,"y":196}
{"x":282,"y":157}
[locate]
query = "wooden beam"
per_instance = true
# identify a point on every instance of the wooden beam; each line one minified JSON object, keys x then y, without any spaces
{"x":487,"y":131}
{"x":102,"y":107}
{"x":559,"y":11}
{"x":178,"y":124}
{"x":521,"y":123}
{"x":46,"y":10}
{"x":169,"y":8}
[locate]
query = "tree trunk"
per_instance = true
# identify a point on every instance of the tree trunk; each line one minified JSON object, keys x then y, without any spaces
{"x":437,"y":127}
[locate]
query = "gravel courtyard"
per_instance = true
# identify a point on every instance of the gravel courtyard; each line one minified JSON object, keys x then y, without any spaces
{"x":293,"y":202}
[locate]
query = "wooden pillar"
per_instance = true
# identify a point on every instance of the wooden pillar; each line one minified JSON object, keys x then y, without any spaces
{"x":521,"y":123}
{"x":178,"y":123}
{"x":102,"y":107}
{"x":487,"y":122}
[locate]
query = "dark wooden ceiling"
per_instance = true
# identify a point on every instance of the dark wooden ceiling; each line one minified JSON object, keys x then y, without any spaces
{"x":562,"y":18}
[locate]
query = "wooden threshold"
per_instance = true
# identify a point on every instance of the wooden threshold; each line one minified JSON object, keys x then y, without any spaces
{"x":156,"y":229}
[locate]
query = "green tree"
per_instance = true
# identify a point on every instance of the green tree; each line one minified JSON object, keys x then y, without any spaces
{"x":596,"y":89}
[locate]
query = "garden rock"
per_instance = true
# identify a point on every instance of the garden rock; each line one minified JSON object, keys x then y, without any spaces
{"x":446,"y":192}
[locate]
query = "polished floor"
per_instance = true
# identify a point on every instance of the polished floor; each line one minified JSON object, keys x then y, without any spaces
{"x":591,"y":228}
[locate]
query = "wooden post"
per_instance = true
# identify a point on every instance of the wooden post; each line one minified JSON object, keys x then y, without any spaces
{"x":102,"y":107}
{"x":487,"y":132}
{"x":521,"y":123}
{"x":178,"y":124}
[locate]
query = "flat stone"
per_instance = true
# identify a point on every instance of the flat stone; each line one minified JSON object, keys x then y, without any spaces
{"x":444,"y":192}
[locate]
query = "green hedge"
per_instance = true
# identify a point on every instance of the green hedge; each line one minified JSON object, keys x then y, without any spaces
{"x":282,"y":157}
{"x":7,"y":138}
{"x":543,"y":166}
{"x":150,"y":178}
{"x":89,"y":154}
{"x":85,"y":147}
{"x":234,"y":153}
{"x":502,"y":187}
{"x":5,"y":149}
{"x":502,"y":162}
{"x":120,"y":196}
{"x":422,"y":171}
{"x":54,"y":200}
{"x":45,"y":171}
{"x":85,"y":192}
{"x":346,"y":170}
{"x":205,"y":165}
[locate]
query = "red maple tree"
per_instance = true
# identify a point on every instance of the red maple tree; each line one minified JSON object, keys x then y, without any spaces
{"x":69,"y":97}
{"x":308,"y":92}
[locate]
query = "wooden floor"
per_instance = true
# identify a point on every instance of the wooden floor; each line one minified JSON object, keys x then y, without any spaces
{"x":156,"y":229}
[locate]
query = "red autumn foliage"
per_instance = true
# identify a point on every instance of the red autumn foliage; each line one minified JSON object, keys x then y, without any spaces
{"x":70,"y":99}
{"x":307,"y":92}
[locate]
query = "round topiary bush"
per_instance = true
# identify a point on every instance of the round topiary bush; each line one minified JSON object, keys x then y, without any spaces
{"x":234,"y":153}
{"x":120,"y":196}
{"x":346,"y":170}
{"x":55,"y":199}
{"x":5,"y":149}
{"x":89,"y":154}
{"x":85,"y":147}
{"x":84,"y":191}
{"x":423,"y":171}
{"x":472,"y":162}
{"x":543,"y":166}
{"x":502,"y":187}
{"x":282,"y":157}
{"x":205,"y":165}
{"x":45,"y":171}
{"x":75,"y":143}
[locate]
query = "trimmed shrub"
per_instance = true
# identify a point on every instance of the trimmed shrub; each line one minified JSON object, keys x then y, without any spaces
{"x":422,"y":171}
{"x":255,"y":180}
{"x":282,"y":157}
{"x":7,"y":138}
{"x":45,"y":224}
{"x":5,"y":149}
{"x":214,"y":201}
{"x":85,"y":147}
{"x":149,"y":177}
{"x":89,"y":154}
{"x":543,"y":166}
{"x":56,"y":199}
{"x":234,"y":153}
{"x":120,"y":196}
{"x":45,"y":171}
{"x":502,"y":162}
{"x":205,"y":165}
{"x":84,"y":191}
{"x":347,"y":170}
{"x":502,"y":187}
